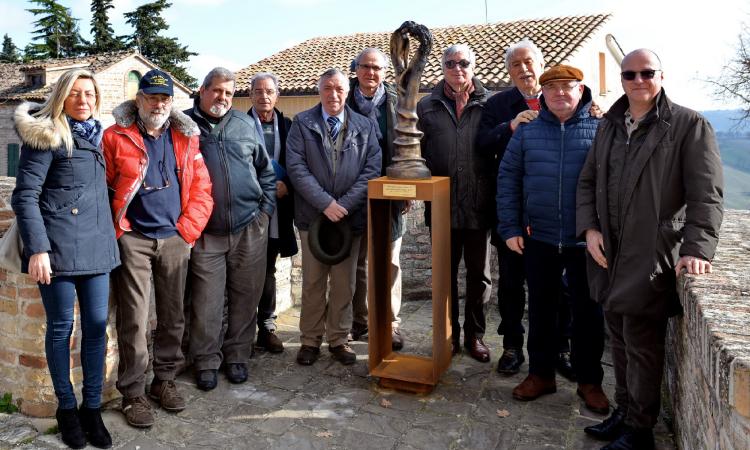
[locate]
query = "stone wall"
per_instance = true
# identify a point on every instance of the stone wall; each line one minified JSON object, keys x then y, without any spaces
{"x":708,"y":362}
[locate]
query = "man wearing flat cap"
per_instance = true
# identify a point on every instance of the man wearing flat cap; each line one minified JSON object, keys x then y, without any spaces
{"x":536,"y":218}
{"x":161,"y":201}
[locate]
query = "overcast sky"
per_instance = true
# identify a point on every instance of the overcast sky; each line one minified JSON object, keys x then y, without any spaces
{"x":694,"y":39}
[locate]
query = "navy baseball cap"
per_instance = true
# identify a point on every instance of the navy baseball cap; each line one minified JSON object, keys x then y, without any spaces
{"x":156,"y":82}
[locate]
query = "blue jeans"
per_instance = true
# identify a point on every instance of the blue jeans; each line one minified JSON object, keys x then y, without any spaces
{"x":93,"y":301}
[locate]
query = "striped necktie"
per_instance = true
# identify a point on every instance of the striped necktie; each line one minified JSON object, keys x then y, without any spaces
{"x":334,"y":126}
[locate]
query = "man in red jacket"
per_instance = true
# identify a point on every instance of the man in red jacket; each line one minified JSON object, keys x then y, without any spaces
{"x":161,"y":201}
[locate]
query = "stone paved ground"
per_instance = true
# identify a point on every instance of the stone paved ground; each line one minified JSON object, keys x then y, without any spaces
{"x":328,"y":406}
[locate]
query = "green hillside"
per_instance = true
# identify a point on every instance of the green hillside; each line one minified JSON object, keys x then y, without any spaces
{"x":735,"y":154}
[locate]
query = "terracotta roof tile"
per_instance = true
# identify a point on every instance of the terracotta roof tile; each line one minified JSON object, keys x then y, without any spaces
{"x":299,"y":67}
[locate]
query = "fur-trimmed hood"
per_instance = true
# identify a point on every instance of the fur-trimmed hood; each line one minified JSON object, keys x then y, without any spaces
{"x":126,"y":112}
{"x":35,"y":132}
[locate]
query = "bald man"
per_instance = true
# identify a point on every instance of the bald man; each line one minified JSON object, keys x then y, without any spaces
{"x":649,"y":204}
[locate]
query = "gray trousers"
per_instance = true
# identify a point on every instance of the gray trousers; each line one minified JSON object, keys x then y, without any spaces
{"x":226,"y":270}
{"x":359,"y":301}
{"x":326,"y":314}
{"x":638,"y":359}
{"x":167,"y":261}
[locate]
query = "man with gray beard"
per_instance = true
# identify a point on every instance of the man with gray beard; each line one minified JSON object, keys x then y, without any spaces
{"x":161,"y":201}
{"x":230,"y":256}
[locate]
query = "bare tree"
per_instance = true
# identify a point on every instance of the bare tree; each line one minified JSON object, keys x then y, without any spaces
{"x":734,"y":83}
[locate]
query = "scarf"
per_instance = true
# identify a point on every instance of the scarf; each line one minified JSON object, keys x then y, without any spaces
{"x":370,"y":107}
{"x":90,"y":130}
{"x":273,"y":224}
{"x":461,"y":98}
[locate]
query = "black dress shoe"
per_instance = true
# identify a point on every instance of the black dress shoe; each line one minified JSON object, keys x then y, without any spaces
{"x":510,"y":362}
{"x":205,"y":380}
{"x":358,"y":330}
{"x":307,"y":355}
{"x":565,"y":367}
{"x":611,"y":428}
{"x":455,"y":347}
{"x":397,"y":339}
{"x":236,"y":373}
{"x":633,"y":439}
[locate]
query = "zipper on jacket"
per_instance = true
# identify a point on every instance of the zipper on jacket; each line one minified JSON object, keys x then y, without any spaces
{"x":560,"y":187}
{"x":225,"y":166}
{"x":136,"y":186}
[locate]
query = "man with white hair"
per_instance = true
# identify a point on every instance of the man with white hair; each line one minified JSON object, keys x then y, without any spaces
{"x":331,"y":154}
{"x":229,"y":259}
{"x":449,"y":118}
{"x":161,"y":201}
{"x":272,"y":128}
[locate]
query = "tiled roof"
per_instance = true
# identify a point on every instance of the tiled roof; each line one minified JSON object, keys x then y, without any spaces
{"x":299,"y":67}
{"x":12,"y":76}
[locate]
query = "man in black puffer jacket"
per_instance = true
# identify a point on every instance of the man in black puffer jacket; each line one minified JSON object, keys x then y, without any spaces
{"x":231,"y":254}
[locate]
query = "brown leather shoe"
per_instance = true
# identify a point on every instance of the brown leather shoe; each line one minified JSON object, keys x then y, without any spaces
{"x":594,"y":397}
{"x":268,"y":340}
{"x":138,"y":412}
{"x":166,"y":394}
{"x":477,"y":349}
{"x":533,"y":387}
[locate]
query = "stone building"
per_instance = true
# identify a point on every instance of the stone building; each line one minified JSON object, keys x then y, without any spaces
{"x":579,"y":40}
{"x":117,"y":73}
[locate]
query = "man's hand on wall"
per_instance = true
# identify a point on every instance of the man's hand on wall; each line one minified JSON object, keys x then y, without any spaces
{"x":693,"y":265}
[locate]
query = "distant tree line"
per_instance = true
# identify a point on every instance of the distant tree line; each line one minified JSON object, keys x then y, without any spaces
{"x":734,"y":83}
{"x":56,"y":34}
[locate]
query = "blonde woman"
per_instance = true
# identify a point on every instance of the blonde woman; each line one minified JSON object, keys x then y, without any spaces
{"x":63,"y":215}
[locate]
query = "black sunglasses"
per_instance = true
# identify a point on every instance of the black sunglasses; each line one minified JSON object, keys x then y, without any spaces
{"x":645,"y":74}
{"x":450,"y":64}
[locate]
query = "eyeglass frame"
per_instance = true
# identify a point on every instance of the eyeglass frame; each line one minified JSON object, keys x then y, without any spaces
{"x":566,"y":88}
{"x":163,"y":171}
{"x":648,"y":74}
{"x":451,"y":64}
{"x":152,"y":100}
{"x":370,"y":67}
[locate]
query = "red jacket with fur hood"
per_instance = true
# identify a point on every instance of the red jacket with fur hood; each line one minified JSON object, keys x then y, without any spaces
{"x":127,"y":160}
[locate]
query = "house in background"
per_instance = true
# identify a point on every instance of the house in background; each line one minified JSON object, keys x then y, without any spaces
{"x":117,"y":73}
{"x":580,"y":41}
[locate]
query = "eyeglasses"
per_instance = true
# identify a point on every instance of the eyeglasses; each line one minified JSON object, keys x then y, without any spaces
{"x":267,"y":92}
{"x":164,"y":174}
{"x":370,"y":67}
{"x":156,"y":99}
{"x":566,"y":88}
{"x":75,"y":95}
{"x":649,"y":74}
{"x":450,"y":64}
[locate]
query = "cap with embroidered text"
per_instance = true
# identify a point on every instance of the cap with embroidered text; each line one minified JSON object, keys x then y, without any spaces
{"x":156,"y":82}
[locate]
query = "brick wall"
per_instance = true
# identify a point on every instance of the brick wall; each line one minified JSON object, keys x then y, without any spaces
{"x":708,"y":361}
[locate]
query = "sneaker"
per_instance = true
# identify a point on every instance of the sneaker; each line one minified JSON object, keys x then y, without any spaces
{"x":397,"y":339}
{"x":138,"y":412}
{"x":268,"y":340}
{"x":343,"y":354}
{"x":307,"y":355}
{"x":70,"y":429}
{"x":236,"y":372}
{"x":165,"y":393}
{"x":93,"y":426}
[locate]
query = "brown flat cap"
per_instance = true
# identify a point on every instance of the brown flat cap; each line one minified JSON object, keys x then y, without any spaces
{"x":561,"y":72}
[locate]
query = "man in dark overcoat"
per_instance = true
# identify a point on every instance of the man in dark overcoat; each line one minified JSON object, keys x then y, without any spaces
{"x":649,"y":203}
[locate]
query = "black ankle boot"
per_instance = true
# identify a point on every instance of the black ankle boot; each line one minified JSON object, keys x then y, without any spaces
{"x":93,"y":425}
{"x":70,"y":428}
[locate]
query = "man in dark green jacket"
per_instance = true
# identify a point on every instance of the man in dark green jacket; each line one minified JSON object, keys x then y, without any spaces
{"x":649,"y":203}
{"x":230,"y":257}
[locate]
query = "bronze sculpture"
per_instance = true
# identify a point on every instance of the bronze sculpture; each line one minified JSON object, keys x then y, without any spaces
{"x":407,"y":161}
